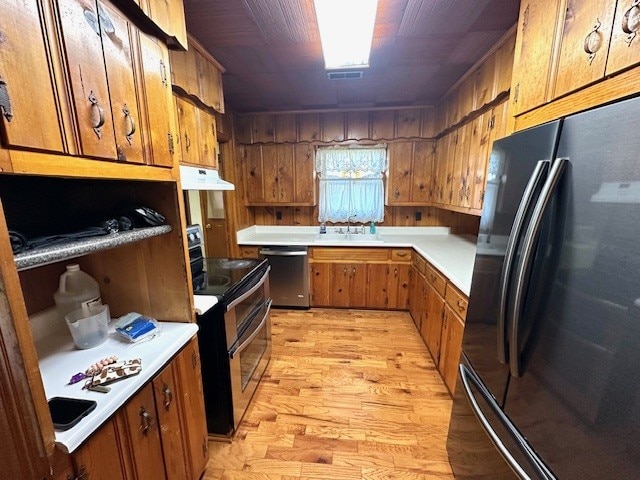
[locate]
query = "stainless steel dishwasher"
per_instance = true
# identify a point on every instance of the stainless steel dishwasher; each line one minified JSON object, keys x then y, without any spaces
{"x":289,"y":277}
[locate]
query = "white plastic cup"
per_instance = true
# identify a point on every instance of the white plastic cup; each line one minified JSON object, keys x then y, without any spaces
{"x":88,"y":325}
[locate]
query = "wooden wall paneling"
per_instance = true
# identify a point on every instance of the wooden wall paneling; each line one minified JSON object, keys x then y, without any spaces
{"x":587,"y":26}
{"x":453,"y":107}
{"x":333,"y":127}
{"x":286,"y":173}
{"x":263,"y":129}
{"x":305,"y":178}
{"x":264,"y":216}
{"x":35,"y":115}
{"x":270,"y":166}
{"x":428,"y":217}
{"x":382,"y":123}
{"x":286,"y":128}
{"x":624,"y":49}
{"x":358,"y":125}
{"x":467,"y":224}
{"x":243,"y":129}
{"x":408,"y":123}
{"x":440,"y":122}
{"x":485,"y":82}
{"x":119,"y":62}
{"x":504,"y":65}
{"x":224,"y":125}
{"x":422,"y":178}
{"x":400,"y":172}
{"x":254,"y":176}
{"x":466,"y":97}
{"x":427,"y":123}
{"x":403,"y":216}
{"x":304,"y":216}
{"x":535,"y":43}
{"x":88,"y":78}
{"x":309,"y":127}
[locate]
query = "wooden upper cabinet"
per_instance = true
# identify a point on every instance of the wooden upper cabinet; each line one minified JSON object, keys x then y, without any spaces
{"x":28,"y":115}
{"x":461,"y":177}
{"x":305,"y":177}
{"x":533,"y":54}
{"x":208,"y":139}
{"x":485,"y":82}
{"x":423,"y":158}
{"x":466,"y":97}
{"x":624,"y":49}
{"x":400,"y":172}
{"x":479,"y":157}
{"x":253,"y":174}
{"x":119,"y":61}
{"x":504,"y":65}
{"x":168,"y":15}
{"x":210,"y":83}
{"x":157,"y":100}
{"x":584,"y":44}
{"x":189,"y":138}
{"x":80,"y":26}
{"x":184,"y":71}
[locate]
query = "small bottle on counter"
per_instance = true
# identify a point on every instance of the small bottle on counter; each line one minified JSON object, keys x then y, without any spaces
{"x":323,"y":228}
{"x":372,"y":227}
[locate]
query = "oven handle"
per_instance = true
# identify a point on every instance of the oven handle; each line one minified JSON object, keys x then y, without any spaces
{"x":253,"y":289}
{"x":238,"y":349}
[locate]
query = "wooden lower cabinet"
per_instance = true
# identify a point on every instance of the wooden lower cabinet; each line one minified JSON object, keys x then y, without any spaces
{"x":375,"y":280}
{"x":433,"y":319}
{"x":160,"y":433}
{"x":450,"y":347}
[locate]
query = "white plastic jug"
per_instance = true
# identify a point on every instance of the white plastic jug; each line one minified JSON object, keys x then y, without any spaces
{"x":77,"y":290}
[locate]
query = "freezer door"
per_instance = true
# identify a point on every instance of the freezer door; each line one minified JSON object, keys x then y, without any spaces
{"x":577,"y":400}
{"x":516,"y":163}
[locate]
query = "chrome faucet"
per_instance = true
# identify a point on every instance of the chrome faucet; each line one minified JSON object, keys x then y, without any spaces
{"x":349,"y":222}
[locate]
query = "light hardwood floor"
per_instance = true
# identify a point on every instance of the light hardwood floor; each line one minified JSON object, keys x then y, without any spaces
{"x":349,"y":394}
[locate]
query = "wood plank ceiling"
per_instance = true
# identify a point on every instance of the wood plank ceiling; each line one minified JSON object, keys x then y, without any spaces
{"x":271,"y":51}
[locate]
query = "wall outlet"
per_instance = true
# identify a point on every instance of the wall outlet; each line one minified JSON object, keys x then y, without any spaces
{"x":418,"y":216}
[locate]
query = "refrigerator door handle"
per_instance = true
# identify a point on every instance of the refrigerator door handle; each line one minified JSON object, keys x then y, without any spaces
{"x":525,"y":204}
{"x":528,"y":248}
{"x":467,"y":378}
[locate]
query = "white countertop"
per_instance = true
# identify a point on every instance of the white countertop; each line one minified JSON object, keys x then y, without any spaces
{"x":453,"y":255}
{"x":60,"y":359}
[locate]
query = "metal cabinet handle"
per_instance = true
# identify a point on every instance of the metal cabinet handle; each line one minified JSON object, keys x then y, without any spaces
{"x":461,"y":305}
{"x":593,"y":41}
{"x":5,"y":101}
{"x":145,"y":421}
{"x":163,"y":73}
{"x":396,"y":193}
{"x":187,"y":141}
{"x":168,"y":396}
{"x":97,"y":114}
{"x":132,"y":124}
{"x":631,"y":22}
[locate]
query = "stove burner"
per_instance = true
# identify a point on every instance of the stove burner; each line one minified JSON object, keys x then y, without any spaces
{"x":230,"y":264}
{"x":219,"y":280}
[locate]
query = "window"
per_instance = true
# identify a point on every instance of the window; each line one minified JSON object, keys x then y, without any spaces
{"x":351,"y":183}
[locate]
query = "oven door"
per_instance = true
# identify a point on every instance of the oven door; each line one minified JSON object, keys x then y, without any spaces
{"x":248,"y":359}
{"x":239,"y":311}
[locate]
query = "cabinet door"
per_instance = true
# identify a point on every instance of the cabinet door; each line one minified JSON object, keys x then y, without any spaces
{"x":449,"y":166}
{"x":30,"y":119}
{"x":305,"y":179}
{"x":101,"y":455}
{"x":194,"y":422}
{"x":485,"y":82}
{"x":168,"y":405}
{"x":533,"y":54}
{"x":461,"y":184}
{"x":207,"y":138}
{"x":378,"y":289}
{"x":270,"y":167}
{"x":358,"y":285}
{"x":158,"y":100}
{"x":210,"y":84}
{"x":321,"y":289}
{"x":479,"y":157}
{"x":189,"y":137}
{"x":422,"y":178}
{"x":400,"y":173}
{"x":624,"y":49}
{"x":254,"y":174}
{"x":185,"y":72}
{"x":440,"y":169}
{"x":340,"y":279}
{"x":415,"y":298}
{"x":119,"y":61}
{"x":504,"y":66}
{"x":86,"y":69}
{"x":584,"y":44}
{"x":450,"y":348}
{"x":286,"y":188}
{"x":432,"y":325}
{"x":144,"y":435}
{"x":398,"y":286}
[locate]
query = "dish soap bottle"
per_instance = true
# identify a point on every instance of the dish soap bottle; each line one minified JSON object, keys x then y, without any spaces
{"x":323,"y":228}
{"x":372,"y":228}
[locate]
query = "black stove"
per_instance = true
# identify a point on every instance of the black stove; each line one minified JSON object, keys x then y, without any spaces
{"x":226,"y":276}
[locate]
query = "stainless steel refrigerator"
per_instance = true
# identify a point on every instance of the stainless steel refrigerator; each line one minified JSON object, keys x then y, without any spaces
{"x":549,"y":383}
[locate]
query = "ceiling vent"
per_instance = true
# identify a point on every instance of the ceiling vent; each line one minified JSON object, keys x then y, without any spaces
{"x":348,"y":75}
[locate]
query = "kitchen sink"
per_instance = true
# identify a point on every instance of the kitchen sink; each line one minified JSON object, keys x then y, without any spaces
{"x":348,"y":237}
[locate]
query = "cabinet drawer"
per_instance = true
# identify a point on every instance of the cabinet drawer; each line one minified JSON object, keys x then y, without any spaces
{"x":353,"y":255}
{"x":457,"y":301}
{"x":435,"y":278}
{"x":401,"y":255}
{"x":420,"y":263}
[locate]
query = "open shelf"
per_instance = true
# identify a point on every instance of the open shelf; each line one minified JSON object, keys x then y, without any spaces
{"x":46,"y":255}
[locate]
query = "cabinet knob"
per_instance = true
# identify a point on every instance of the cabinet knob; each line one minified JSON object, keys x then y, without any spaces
{"x":631,"y":22}
{"x":461,"y":305}
{"x":208,"y":226}
{"x":145,"y":421}
{"x":97,"y":114}
{"x":593,"y":41}
{"x":132,"y":124}
{"x":168,"y":396}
